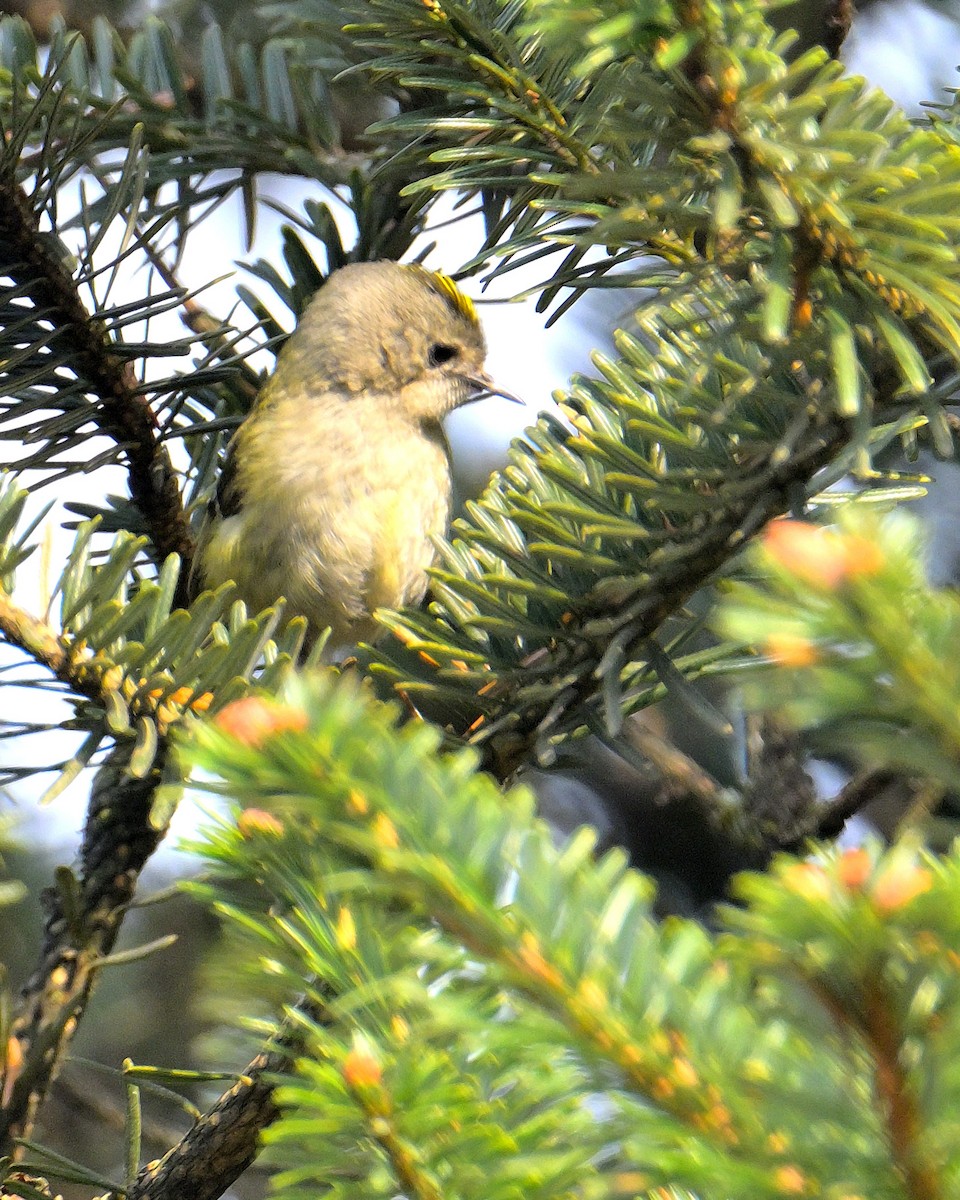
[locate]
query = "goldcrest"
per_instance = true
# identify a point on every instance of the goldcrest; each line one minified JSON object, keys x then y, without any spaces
{"x":336,"y":483}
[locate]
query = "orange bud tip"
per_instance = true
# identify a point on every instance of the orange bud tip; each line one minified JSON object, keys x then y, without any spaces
{"x":357,"y":803}
{"x":385,"y":832}
{"x":630,"y":1183}
{"x":790,"y":650}
{"x":854,"y":868}
{"x":821,"y":557}
{"x":896,"y":886}
{"x":863,"y":556}
{"x":14,"y":1056}
{"x":684,"y":1073}
{"x":810,"y":553}
{"x":254,"y":719}
{"x":361,"y":1069}
{"x":791,"y":1181}
{"x":254,"y":821}
{"x":346,"y":930}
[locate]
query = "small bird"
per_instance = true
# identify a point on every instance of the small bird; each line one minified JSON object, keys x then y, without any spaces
{"x":336,"y":483}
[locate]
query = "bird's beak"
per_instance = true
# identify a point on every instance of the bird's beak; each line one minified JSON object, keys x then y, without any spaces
{"x":484,"y":385}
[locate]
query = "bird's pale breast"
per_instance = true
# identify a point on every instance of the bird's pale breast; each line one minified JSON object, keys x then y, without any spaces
{"x":343,"y":533}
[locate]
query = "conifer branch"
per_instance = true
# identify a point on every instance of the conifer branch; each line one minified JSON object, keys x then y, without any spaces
{"x":877,"y":1025}
{"x":827,"y":820}
{"x":779,"y":797}
{"x":97,"y":679}
{"x":42,"y":643}
{"x":898,"y":1103}
{"x":84,"y":912}
{"x":514,"y":734}
{"x":83,"y":915}
{"x":416,"y":1184}
{"x":220,"y":1146}
{"x":225,"y":1140}
{"x":122,"y":411}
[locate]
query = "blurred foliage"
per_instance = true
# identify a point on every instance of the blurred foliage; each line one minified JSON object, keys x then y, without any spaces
{"x":501,"y":1015}
{"x":850,"y":629}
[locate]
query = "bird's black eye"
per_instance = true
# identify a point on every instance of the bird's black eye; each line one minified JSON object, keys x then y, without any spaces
{"x":438,"y":354}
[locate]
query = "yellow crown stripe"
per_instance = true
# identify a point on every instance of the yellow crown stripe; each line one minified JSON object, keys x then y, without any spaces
{"x":445,"y":287}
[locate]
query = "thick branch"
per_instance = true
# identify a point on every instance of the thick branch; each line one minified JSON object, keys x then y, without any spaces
{"x":220,"y":1146}
{"x":78,"y":930}
{"x":827,"y":820}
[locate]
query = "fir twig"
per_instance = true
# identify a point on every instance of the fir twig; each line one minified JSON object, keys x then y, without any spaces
{"x":378,"y":1114}
{"x":879,"y":1027}
{"x":224,"y":1141}
{"x":522,"y":731}
{"x":42,"y":643}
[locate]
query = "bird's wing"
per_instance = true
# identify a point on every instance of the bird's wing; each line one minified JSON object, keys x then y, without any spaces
{"x":227,"y":500}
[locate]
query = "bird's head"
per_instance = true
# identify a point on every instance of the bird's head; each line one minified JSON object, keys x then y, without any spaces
{"x":395,"y":331}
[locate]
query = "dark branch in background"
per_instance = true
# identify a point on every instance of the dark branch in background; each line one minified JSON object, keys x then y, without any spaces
{"x":825,"y":23}
{"x":120,"y":410}
{"x":837,"y":22}
{"x":828,"y":820}
{"x":779,"y":795}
